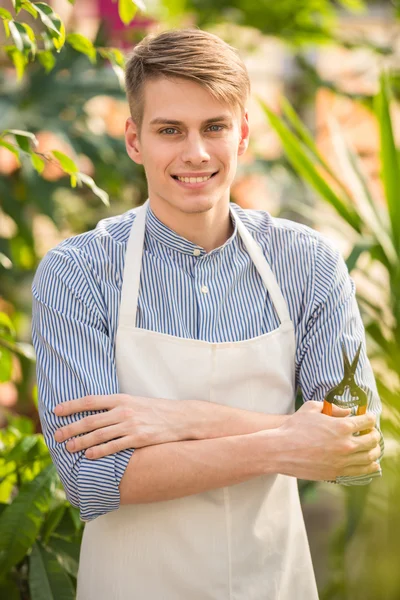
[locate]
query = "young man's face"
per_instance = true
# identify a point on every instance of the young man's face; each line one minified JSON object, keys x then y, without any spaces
{"x":194,"y":147}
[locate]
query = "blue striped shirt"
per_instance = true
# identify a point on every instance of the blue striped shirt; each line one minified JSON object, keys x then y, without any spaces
{"x":76,"y":297}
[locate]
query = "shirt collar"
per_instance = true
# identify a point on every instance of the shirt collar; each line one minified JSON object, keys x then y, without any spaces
{"x":168,"y":237}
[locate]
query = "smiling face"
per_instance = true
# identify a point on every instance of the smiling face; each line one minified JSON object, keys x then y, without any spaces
{"x":187,"y":133}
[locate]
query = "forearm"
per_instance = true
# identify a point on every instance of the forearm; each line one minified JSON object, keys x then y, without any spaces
{"x":209,"y":420}
{"x":177,"y":469}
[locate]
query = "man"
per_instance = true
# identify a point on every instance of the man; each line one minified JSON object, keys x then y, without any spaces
{"x":170,"y":342}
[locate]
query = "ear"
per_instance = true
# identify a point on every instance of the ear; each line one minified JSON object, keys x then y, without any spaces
{"x":132,"y":142}
{"x":244,"y":134}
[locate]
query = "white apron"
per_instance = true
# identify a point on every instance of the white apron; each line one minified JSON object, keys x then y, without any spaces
{"x":242,"y":542}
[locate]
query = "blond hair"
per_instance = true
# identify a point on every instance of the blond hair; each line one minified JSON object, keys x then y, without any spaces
{"x":190,"y":54}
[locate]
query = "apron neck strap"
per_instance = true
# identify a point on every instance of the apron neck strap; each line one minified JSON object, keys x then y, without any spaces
{"x":133,"y":265}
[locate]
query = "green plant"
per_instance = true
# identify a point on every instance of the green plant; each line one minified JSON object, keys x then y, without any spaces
{"x":373,"y":225}
{"x":40,"y":532}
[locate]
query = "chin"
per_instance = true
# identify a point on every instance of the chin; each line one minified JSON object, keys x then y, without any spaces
{"x":196,"y":205}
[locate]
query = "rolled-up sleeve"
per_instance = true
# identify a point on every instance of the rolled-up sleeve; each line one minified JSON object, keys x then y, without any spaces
{"x":334,"y":319}
{"x":75,"y":358}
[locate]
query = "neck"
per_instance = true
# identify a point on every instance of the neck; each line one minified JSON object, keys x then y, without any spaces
{"x":209,"y":229}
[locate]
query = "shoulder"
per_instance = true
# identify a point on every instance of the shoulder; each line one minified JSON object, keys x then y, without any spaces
{"x":112,"y":230}
{"x":84,"y":260}
{"x":284,"y":236}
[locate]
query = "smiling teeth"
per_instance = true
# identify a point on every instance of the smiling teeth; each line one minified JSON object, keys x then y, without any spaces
{"x":193,"y":179}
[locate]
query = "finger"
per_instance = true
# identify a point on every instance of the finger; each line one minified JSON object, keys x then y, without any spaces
{"x":365,"y":458}
{"x":338,"y":411}
{"x":362,"y":422}
{"x":87,"y":403}
{"x":356,"y":470}
{"x":85,"y":425}
{"x":100,"y":436}
{"x":109,"y":448}
{"x":367,"y":442}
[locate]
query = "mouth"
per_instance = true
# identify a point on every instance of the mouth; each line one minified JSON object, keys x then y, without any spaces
{"x":193,"y":182}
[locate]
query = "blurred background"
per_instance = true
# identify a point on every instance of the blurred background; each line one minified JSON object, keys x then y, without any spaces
{"x":325,"y":125}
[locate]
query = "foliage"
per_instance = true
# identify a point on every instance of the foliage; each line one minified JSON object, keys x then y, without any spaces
{"x":40,"y":532}
{"x":57,"y":73}
{"x":374,"y":228}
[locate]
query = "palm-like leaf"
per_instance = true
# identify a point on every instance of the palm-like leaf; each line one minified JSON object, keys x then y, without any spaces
{"x":20,"y":522}
{"x":48,"y":580}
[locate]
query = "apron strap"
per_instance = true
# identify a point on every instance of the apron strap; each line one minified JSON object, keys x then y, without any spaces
{"x":132,"y":269}
{"x":262,"y":266}
{"x":133,"y":265}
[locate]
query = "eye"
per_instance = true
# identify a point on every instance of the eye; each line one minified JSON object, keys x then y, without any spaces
{"x":168,"y":129}
{"x":220,"y":127}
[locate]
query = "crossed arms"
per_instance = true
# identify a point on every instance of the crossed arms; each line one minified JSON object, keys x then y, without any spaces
{"x":204,"y":445}
{"x":188,"y":447}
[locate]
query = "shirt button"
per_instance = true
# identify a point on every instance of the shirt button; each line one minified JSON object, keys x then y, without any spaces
{"x":204,"y":289}
{"x":196,"y":252}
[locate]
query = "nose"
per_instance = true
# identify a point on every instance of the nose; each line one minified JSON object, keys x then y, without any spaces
{"x":194,"y":150}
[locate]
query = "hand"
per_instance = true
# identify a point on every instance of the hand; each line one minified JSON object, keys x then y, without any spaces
{"x":129,"y":422}
{"x":319,"y":447}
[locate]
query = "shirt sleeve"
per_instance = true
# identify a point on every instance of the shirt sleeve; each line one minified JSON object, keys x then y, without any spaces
{"x":335,"y":318}
{"x":75,"y":358}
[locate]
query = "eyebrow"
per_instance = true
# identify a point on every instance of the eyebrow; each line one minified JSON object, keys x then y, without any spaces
{"x":164,"y":121}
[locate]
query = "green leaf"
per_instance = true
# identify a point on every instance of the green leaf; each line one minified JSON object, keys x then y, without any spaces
{"x":37,"y":162}
{"x":104,"y":197}
{"x":67,"y":553}
{"x":81,"y":44}
{"x":390,"y":170}
{"x":17,"y":4}
{"x":6,"y":28}
{"x":6,"y":325}
{"x":59,"y":40}
{"x":35,"y":396}
{"x":22,"y":425}
{"x":5,"y":14}
{"x":48,"y":17}
{"x":23,"y":36}
{"x":30,"y":8}
{"x":16,"y":35}
{"x":47,"y":59}
{"x":301,"y":161}
{"x":23,"y":143}
{"x":127,"y":10}
{"x":117,"y":61}
{"x":5,"y":364}
{"x":21,"y":520}
{"x":47,"y":578}
{"x":19,"y":59}
{"x":53,"y":23}
{"x":22,"y":133}
{"x":7,"y":335}
{"x":22,"y":448}
{"x":66,"y":528}
{"x":114,"y":55}
{"x":357,"y":251}
{"x":52,"y":520}
{"x":353,"y":174}
{"x":306,"y":137}
{"x":11,"y":148}
{"x":9,"y":589}
{"x":67,"y":164}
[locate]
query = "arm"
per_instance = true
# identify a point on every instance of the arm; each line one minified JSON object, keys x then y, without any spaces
{"x":74,"y":358}
{"x":308,"y":445}
{"x":333,"y":317}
